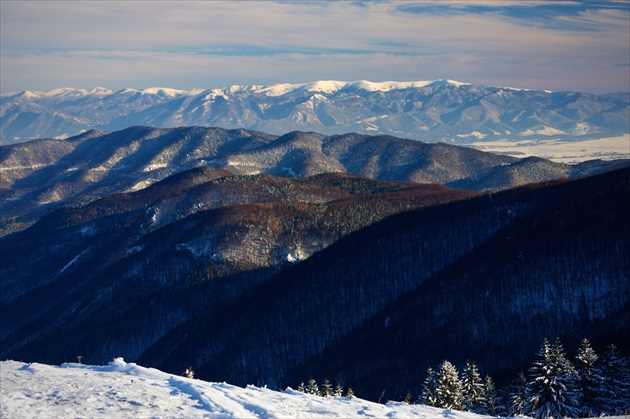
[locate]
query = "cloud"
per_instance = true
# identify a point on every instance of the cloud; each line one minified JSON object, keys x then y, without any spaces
{"x":133,"y":43}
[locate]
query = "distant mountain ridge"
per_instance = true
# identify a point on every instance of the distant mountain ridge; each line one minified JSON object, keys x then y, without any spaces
{"x":38,"y":176}
{"x":439,"y":110}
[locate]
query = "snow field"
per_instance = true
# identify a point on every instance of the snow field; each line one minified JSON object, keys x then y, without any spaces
{"x":123,"y":389}
{"x":561,"y":151}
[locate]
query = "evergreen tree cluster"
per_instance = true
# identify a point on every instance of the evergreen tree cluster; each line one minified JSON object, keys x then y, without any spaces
{"x":554,"y":387}
{"x":445,"y":388}
{"x":326,"y":390}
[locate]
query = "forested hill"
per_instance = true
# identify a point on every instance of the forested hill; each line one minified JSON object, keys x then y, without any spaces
{"x":139,"y":263}
{"x":487,"y":278}
{"x":43,"y":175}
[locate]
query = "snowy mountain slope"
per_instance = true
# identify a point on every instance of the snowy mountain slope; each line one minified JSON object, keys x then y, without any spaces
{"x":67,"y":112}
{"x":126,"y":390}
{"x":440,"y":110}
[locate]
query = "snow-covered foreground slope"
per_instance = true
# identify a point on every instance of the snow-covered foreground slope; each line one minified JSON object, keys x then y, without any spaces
{"x":123,"y":389}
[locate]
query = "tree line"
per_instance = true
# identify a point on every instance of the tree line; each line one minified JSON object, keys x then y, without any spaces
{"x":554,"y":387}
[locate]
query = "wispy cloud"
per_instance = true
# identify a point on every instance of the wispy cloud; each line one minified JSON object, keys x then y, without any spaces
{"x":538,"y":44}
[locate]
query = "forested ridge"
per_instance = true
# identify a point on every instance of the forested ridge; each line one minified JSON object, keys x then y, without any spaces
{"x":137,"y":264}
{"x":485,"y":278}
{"x":44,"y":175}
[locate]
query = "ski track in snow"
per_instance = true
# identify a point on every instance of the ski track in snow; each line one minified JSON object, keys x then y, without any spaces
{"x":126,"y":390}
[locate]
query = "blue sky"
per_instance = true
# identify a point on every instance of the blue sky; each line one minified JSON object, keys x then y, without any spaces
{"x":554,"y":45}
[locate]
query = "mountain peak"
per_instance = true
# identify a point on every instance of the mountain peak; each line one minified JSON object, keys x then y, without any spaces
{"x":163,"y":91}
{"x":100,"y":91}
{"x":332,"y":86}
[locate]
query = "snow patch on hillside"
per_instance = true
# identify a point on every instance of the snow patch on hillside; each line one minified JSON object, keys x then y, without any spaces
{"x":123,"y":389}
{"x":561,"y":151}
{"x":544,"y":130}
{"x":475,"y":134}
{"x":74,"y":260}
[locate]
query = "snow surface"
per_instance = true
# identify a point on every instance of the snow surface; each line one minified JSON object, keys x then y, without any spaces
{"x":561,"y":151}
{"x":124,"y":390}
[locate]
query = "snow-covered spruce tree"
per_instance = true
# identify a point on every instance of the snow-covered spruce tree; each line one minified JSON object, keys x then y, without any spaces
{"x":551,"y":390}
{"x":327,"y":390}
{"x":473,"y":389}
{"x":350,"y":393}
{"x":615,"y":370}
{"x":429,"y":387}
{"x":301,"y":388}
{"x":312,"y":387}
{"x":589,"y":382}
{"x":448,"y":391}
{"x":492,"y":399}
{"x":518,"y":395}
{"x":338,"y":390}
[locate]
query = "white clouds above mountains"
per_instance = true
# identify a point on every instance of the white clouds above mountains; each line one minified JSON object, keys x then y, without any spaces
{"x":560,"y":45}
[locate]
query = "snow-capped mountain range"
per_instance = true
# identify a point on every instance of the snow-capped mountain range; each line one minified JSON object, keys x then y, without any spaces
{"x":440,"y":110}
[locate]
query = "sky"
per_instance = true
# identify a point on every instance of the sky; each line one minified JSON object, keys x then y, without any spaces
{"x":554,"y":45}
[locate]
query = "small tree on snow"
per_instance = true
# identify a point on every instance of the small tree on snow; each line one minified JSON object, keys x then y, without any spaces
{"x":449,"y":387}
{"x":616,"y":381}
{"x":312,"y":387}
{"x":490,"y":393}
{"x":518,"y":395}
{"x":338,"y":390}
{"x":589,"y":382}
{"x":429,"y":389}
{"x":301,"y":388}
{"x":189,"y":373}
{"x":350,"y":393}
{"x":551,"y":389}
{"x":327,"y":390}
{"x":473,"y":389}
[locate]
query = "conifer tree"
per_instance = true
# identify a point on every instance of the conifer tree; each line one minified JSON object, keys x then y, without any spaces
{"x":490,"y":393}
{"x":518,"y":395}
{"x":312,"y":387}
{"x":301,"y":388}
{"x":338,"y":390}
{"x":589,"y":381}
{"x":350,"y":393}
{"x":429,"y":387}
{"x":551,"y":387}
{"x":327,"y":390}
{"x":473,"y":389}
{"x":616,"y":382}
{"x":449,"y":387}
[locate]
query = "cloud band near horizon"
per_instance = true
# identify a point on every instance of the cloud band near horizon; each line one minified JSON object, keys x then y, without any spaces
{"x":581,"y":46}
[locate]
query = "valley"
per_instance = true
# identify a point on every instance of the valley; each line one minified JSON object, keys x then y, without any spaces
{"x":256,"y":258}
